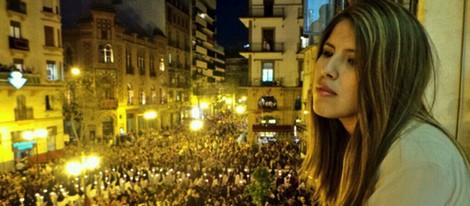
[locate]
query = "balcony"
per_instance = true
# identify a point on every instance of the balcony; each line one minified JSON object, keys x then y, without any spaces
{"x":30,"y":77}
{"x":262,"y":12}
{"x":108,"y":104}
{"x":17,"y":43}
{"x":17,"y":6}
{"x":24,"y":114}
{"x":256,"y":82}
{"x":258,"y":47}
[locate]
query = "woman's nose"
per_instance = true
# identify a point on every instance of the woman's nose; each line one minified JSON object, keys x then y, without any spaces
{"x":330,"y":69}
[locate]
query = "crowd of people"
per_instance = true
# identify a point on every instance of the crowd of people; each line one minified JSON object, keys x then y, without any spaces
{"x":176,"y":167}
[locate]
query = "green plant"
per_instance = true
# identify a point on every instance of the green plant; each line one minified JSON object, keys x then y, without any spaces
{"x":259,"y":187}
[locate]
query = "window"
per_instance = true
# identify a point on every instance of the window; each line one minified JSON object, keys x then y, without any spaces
{"x":142,"y":98}
{"x":49,"y":35}
{"x":104,"y":28}
{"x":141,"y":62}
{"x":268,"y":39}
{"x":162,"y":65}
{"x":47,"y":6}
{"x":19,"y":64}
{"x":130,"y":94}
{"x":153,"y":93}
{"x":59,"y":40}
{"x":15,"y":29}
{"x":163,"y":97}
{"x":153,"y":73}
{"x":106,"y":54}
{"x":129,"y":69}
{"x":52,"y":72}
{"x":267,"y":70}
{"x":49,"y":101}
{"x":21,"y":111}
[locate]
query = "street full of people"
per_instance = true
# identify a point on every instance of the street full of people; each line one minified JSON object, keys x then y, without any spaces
{"x":172,"y":167}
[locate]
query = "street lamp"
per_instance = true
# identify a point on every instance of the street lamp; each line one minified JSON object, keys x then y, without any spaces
{"x":196,"y":124}
{"x":35,"y":135}
{"x":87,"y":163}
{"x":240,"y":109}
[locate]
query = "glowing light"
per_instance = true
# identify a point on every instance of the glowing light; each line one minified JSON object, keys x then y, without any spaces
{"x":196,"y":125}
{"x":150,"y":115}
{"x":75,"y":71}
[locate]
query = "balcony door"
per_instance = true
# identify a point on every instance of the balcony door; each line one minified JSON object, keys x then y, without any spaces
{"x":268,"y":39}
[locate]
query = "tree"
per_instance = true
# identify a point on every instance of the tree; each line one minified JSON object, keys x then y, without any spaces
{"x":80,"y":106}
{"x":259,"y":187}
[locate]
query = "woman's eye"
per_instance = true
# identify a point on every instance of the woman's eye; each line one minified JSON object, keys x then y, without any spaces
{"x":327,"y":53}
{"x":351,"y":61}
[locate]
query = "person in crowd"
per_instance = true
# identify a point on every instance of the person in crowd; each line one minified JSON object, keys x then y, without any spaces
{"x":373,"y":138}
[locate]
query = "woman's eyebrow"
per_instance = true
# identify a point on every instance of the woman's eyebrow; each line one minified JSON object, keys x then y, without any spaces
{"x":333,"y":47}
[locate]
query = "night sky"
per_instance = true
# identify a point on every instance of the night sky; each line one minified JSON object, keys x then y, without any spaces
{"x":231,"y":33}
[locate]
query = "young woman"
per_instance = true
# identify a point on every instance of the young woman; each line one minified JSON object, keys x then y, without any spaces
{"x":373,"y":140}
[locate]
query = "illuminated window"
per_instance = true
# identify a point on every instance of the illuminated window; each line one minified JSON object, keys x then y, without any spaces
{"x":142,"y":98}
{"x":106,"y":53}
{"x":15,"y":29}
{"x":130,"y":94}
{"x":162,"y":65}
{"x":153,"y":94}
{"x":52,"y":71}
{"x":267,"y":72}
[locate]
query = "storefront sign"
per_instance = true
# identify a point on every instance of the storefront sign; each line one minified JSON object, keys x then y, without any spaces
{"x":24,"y":145}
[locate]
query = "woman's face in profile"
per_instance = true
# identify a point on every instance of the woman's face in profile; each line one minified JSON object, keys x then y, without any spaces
{"x":335,"y":81}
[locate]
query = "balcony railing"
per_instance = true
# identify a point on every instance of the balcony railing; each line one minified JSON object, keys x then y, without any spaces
{"x":24,"y":114}
{"x":16,"y":5}
{"x":108,"y":104}
{"x":17,"y":43}
{"x":261,"y":12}
{"x":258,"y":47}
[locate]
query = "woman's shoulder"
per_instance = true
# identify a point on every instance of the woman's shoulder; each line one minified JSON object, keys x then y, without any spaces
{"x":424,"y":143}
{"x":425,"y":161}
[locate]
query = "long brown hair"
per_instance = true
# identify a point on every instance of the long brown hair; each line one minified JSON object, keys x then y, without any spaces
{"x":394,"y":64}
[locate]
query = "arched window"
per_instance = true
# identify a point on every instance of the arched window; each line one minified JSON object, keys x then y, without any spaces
{"x":106,"y":54}
{"x":142,"y":97}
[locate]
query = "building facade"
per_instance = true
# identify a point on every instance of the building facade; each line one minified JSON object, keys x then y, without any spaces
{"x":208,"y":58}
{"x":179,"y":58}
{"x":122,"y":85}
{"x":31,"y":52}
{"x":274,"y":67}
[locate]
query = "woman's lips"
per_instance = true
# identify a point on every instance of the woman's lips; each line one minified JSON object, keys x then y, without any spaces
{"x":325,"y":90}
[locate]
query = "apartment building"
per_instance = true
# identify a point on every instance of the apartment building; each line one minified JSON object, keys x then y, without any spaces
{"x":31,"y":81}
{"x":274,"y":67}
{"x":208,"y":58}
{"x":179,"y":58}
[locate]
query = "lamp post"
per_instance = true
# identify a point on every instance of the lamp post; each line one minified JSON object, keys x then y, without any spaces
{"x":76,"y":168}
{"x":35,"y":135}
